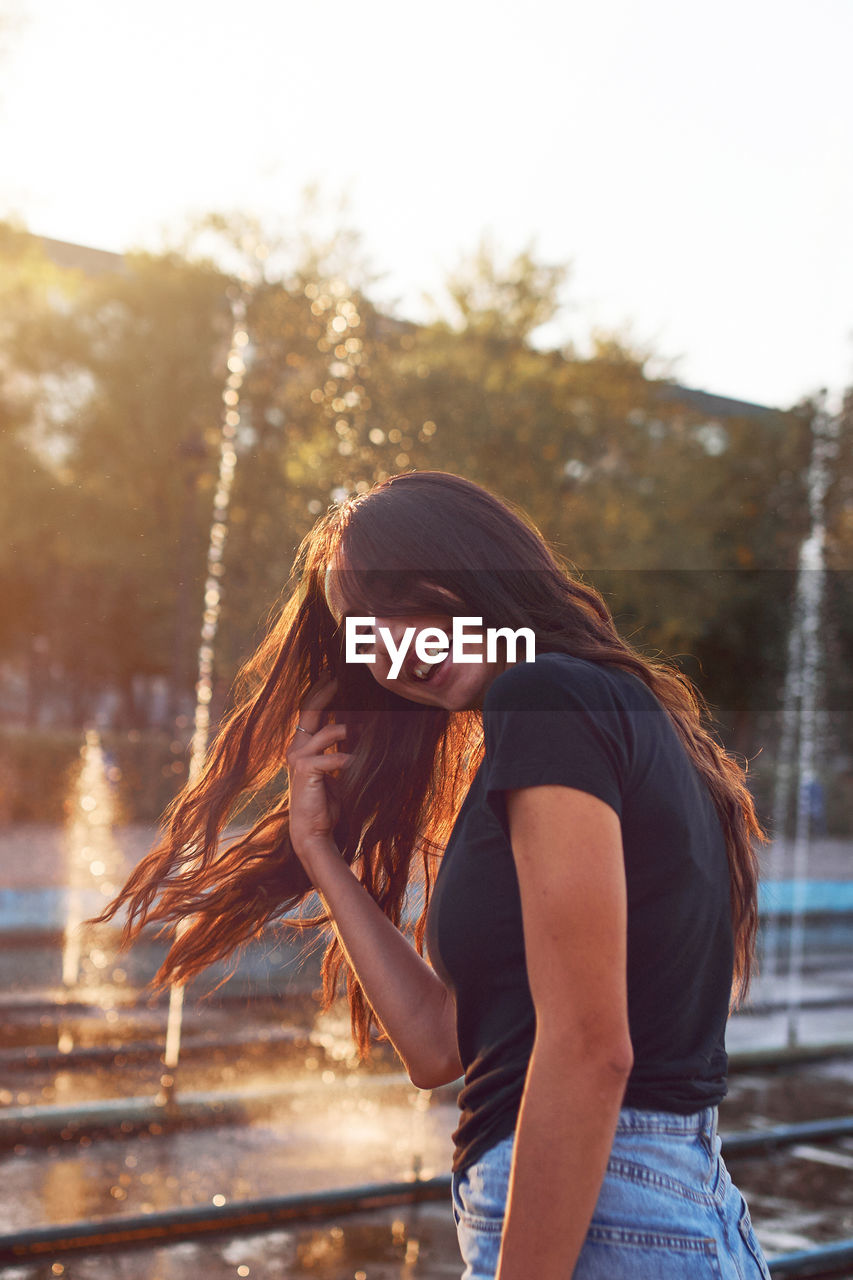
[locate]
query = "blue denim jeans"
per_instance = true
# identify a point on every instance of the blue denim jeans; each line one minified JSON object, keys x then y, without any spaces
{"x":667,"y":1210}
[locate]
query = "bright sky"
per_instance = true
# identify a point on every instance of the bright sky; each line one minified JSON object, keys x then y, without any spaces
{"x":693,"y":162}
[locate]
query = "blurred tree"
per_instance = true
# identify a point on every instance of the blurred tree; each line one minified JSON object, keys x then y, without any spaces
{"x":680,"y":520}
{"x":505,"y":301}
{"x":111,"y":403}
{"x":36,"y":505}
{"x":142,"y":450}
{"x":123,"y":375}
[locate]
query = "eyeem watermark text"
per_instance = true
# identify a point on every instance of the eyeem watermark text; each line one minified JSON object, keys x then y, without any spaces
{"x":432,"y":644}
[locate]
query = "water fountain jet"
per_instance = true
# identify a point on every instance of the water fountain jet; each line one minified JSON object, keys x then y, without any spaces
{"x":236,"y":362}
{"x":94,"y":862}
{"x":798,"y":748}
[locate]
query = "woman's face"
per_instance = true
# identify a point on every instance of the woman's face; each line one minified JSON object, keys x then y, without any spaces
{"x":456,"y":686}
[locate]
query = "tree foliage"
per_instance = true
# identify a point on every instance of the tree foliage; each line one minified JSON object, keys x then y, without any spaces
{"x":111,"y":399}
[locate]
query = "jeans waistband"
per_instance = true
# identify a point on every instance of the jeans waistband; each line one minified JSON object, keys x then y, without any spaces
{"x":704,"y":1122}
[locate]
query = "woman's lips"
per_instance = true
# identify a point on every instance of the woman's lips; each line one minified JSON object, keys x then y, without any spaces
{"x":437,"y":676}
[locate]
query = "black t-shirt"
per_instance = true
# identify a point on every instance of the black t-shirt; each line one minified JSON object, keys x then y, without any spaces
{"x":565,"y":721}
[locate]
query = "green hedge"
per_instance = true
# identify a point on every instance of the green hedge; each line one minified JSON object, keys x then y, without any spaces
{"x":38,"y":769}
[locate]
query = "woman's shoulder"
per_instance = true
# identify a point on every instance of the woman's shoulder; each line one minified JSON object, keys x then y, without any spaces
{"x":552,"y":679}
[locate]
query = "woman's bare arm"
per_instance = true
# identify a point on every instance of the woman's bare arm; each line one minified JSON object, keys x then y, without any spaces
{"x":568,"y":852}
{"x":413,"y":1005}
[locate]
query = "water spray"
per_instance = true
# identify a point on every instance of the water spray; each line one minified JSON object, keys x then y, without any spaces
{"x":798,"y":748}
{"x":236,"y":364}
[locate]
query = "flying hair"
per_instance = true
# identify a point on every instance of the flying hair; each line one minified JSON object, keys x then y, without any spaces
{"x":418,"y":542}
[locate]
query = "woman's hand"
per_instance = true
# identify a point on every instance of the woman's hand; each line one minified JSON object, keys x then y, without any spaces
{"x":313,"y":810}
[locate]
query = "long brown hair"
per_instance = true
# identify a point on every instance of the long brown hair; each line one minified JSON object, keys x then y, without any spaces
{"x":403,"y":545}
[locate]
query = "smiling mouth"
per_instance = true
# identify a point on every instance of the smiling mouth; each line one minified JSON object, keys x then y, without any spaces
{"x":422,"y":672}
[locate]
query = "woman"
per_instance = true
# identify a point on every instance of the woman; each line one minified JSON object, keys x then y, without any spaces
{"x":594,"y":909}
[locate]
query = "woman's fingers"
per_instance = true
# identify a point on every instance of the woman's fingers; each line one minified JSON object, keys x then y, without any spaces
{"x":327,"y":764}
{"x":312,"y":744}
{"x":314,"y":808}
{"x":314,"y":707}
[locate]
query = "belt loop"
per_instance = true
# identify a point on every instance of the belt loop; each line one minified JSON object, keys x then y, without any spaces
{"x":712,"y":1129}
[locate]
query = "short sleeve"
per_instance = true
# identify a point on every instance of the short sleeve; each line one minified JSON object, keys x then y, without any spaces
{"x":554,"y":722}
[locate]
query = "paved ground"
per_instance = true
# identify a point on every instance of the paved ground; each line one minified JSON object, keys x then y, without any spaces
{"x":350,"y":1138}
